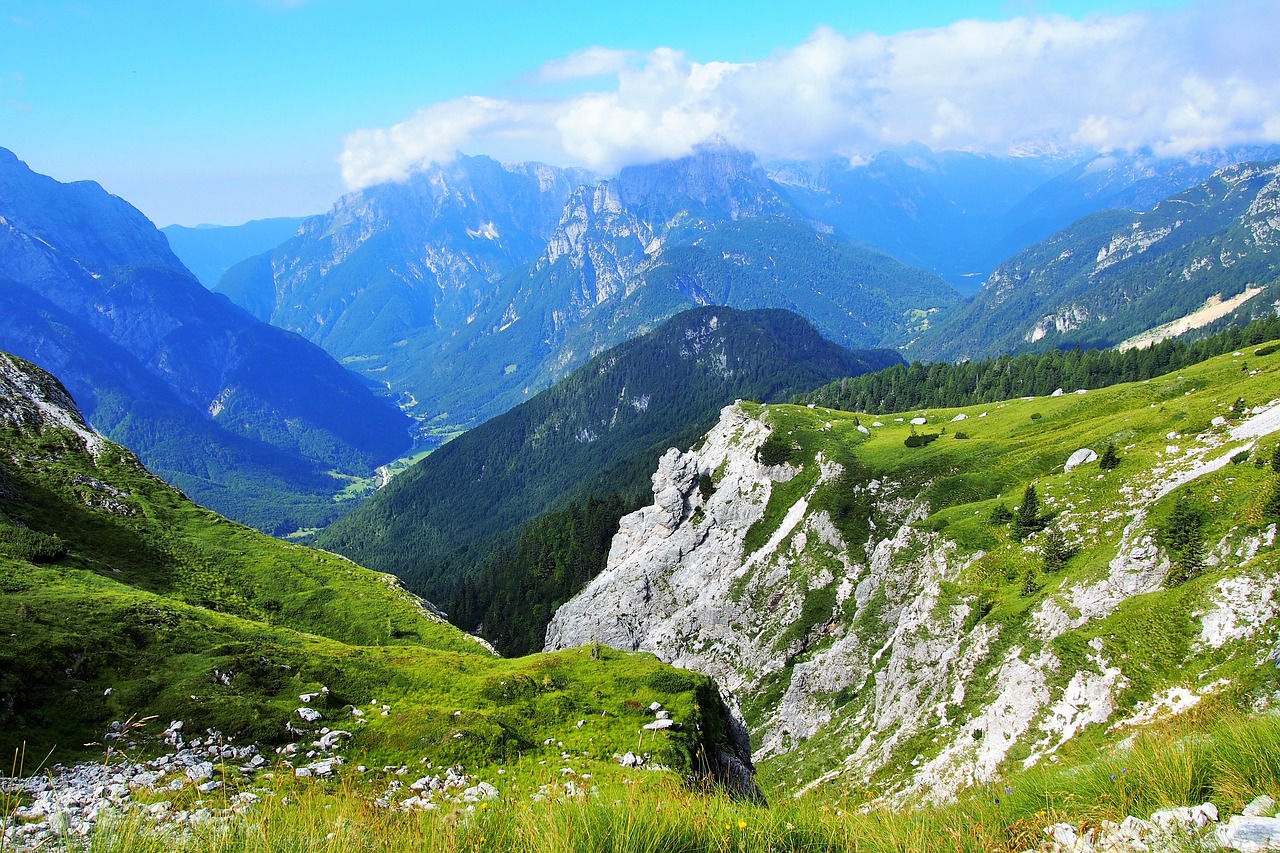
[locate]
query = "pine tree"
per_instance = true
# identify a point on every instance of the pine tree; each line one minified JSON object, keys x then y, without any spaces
{"x":1275,"y":459}
{"x":1183,"y":535}
{"x":1056,"y":552}
{"x":1027,"y":519}
{"x":1109,"y":459}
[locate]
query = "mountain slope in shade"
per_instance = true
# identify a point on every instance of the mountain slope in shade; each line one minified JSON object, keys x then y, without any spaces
{"x":210,"y":250}
{"x":1115,"y":275}
{"x":595,"y":433}
{"x":247,"y":417}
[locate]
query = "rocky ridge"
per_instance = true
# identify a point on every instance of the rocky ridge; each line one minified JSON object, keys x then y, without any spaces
{"x":866,"y":650}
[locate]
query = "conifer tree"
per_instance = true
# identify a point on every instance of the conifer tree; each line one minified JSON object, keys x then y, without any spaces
{"x":1027,"y":519}
{"x":1056,"y":551}
{"x":1109,"y":458}
{"x":1183,"y":535}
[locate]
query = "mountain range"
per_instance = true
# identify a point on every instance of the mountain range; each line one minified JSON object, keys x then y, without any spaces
{"x":1201,"y":255}
{"x":473,"y":285}
{"x":246,"y":417}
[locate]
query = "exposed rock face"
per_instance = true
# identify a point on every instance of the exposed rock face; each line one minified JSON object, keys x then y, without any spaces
{"x":866,"y":652}
{"x":32,"y":399}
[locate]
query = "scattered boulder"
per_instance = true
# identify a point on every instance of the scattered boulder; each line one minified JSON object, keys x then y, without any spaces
{"x":1262,"y":806}
{"x":1083,"y":456}
{"x":1249,"y":834}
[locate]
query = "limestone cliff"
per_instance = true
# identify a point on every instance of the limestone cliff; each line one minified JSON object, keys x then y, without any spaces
{"x":879,"y":630}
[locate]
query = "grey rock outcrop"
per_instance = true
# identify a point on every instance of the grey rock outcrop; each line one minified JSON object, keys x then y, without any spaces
{"x":868,"y":649}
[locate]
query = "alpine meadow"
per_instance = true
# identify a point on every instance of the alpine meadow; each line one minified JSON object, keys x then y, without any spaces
{"x":847,"y":427}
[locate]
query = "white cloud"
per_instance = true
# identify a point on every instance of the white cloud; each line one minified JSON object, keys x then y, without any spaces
{"x":592,"y":62}
{"x":1203,"y":76}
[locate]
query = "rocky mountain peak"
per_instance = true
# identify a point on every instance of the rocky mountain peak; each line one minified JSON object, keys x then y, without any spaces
{"x":31,"y":399}
{"x":716,"y":179}
{"x":98,"y":229}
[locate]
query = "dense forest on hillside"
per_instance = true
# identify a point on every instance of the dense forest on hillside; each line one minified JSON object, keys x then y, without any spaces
{"x":597,"y":433}
{"x":518,"y":589}
{"x":942,"y":385}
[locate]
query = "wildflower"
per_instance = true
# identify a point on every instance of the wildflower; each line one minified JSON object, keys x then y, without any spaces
{"x":1008,"y":790}
{"x":1113,"y":777}
{"x":742,"y":824}
{"x":484,"y":806}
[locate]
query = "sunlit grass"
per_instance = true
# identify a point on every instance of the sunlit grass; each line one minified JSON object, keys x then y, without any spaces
{"x":1211,"y":754}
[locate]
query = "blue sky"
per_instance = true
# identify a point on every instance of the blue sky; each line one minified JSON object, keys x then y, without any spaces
{"x":226,"y":110}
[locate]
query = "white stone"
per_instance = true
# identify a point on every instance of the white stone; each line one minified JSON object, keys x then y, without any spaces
{"x":1083,"y":456}
{"x":1261,"y":806}
{"x":1249,"y":834}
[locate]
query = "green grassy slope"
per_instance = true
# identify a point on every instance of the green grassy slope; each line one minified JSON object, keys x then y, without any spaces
{"x":120,"y":598}
{"x":1001,"y":585}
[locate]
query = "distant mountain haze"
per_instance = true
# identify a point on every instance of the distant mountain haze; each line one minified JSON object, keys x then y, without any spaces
{"x":246,"y":417}
{"x":210,"y":250}
{"x":473,"y":285}
{"x":1115,"y":275}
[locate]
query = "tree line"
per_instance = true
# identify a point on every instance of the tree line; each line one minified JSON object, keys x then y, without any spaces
{"x":943,"y":385}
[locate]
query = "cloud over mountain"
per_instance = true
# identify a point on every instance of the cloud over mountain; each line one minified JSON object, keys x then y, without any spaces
{"x":1177,"y":81}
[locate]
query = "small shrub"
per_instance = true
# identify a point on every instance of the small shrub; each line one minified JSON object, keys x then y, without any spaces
{"x":775,"y":450}
{"x":962,"y":435}
{"x":706,"y":488}
{"x":1242,"y":456}
{"x":31,"y":545}
{"x":1056,"y":552}
{"x":978,"y":610}
{"x":1035,"y":416}
{"x":670,"y":681}
{"x":1275,"y":459}
{"x":999,"y":515}
{"x":920,"y":439}
{"x":1267,"y":350}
